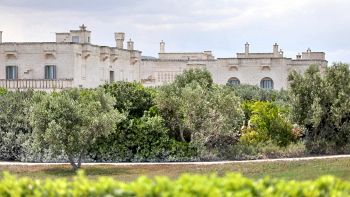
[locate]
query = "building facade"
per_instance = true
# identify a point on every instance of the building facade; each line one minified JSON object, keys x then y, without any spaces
{"x":72,"y":61}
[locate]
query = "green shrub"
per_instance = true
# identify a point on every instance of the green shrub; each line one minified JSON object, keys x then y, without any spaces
{"x":254,"y":93}
{"x":196,"y":111}
{"x":321,"y":104}
{"x":270,"y":150}
{"x":14,"y":123}
{"x":187,"y":185}
{"x":130,"y":98}
{"x":265,"y":150}
{"x":3,"y":91}
{"x":139,"y":139}
{"x":267,"y":122}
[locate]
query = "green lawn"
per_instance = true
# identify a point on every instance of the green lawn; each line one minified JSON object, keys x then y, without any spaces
{"x":299,"y":170}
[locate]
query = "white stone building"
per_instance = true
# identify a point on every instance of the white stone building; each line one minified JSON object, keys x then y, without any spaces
{"x":72,"y":61}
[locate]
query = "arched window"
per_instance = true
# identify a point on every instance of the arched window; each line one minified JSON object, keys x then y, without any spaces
{"x":233,"y":81}
{"x":266,"y":83}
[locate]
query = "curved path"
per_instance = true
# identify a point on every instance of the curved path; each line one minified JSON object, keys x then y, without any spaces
{"x":4,"y":163}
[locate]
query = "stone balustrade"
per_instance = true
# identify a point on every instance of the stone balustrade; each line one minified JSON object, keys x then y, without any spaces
{"x":36,"y":84}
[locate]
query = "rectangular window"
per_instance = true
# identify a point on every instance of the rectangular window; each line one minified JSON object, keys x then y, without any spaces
{"x":11,"y":72}
{"x":50,"y":72}
{"x":75,"y":39}
{"x":111,"y":76}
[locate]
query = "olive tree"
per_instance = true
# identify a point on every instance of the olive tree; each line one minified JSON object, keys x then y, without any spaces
{"x":321,"y":104}
{"x":14,"y":123}
{"x":198,"y":111}
{"x":70,"y":121}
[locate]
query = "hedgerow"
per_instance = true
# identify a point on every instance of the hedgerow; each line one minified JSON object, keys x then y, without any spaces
{"x":187,"y":185}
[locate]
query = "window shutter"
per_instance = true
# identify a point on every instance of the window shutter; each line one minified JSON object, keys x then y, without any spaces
{"x":46,"y":72}
{"x":16,"y":72}
{"x":7,"y":72}
{"x":54,"y":72}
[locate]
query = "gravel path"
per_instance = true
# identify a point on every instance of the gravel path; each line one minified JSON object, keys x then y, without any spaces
{"x":4,"y":163}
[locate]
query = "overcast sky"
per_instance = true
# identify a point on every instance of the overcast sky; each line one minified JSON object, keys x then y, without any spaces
{"x":222,"y":26}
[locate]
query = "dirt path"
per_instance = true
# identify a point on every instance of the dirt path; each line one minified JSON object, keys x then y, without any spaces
{"x":4,"y":163}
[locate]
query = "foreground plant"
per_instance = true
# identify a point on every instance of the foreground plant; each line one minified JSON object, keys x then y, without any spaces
{"x":186,"y":185}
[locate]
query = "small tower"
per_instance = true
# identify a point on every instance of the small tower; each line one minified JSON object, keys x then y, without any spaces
{"x":162,"y":47}
{"x":119,"y":39}
{"x":0,"y":36}
{"x":275,"y":49}
{"x":246,"y":51}
{"x":308,"y":50}
{"x":130,"y":45}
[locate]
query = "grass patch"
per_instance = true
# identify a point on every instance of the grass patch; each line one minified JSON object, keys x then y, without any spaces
{"x":298,"y":170}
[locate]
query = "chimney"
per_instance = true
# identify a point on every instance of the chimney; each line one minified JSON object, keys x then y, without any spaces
{"x":298,"y":56}
{"x":281,"y":52}
{"x":130,"y":45}
{"x":0,"y":36}
{"x":246,"y":51}
{"x":162,"y":47}
{"x":82,"y":27}
{"x":119,"y":39}
{"x":275,"y":49}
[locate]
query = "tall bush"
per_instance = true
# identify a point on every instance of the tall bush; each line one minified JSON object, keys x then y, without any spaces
{"x":142,"y":135}
{"x":14,"y":123}
{"x":321,"y":104}
{"x":200,"y":112}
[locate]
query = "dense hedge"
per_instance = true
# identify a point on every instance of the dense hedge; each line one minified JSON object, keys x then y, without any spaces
{"x":190,"y":119}
{"x":186,"y":185}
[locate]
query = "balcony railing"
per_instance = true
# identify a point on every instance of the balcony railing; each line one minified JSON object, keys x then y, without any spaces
{"x":39,"y":84}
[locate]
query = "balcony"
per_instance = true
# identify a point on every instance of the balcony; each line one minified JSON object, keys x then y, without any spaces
{"x":36,"y":84}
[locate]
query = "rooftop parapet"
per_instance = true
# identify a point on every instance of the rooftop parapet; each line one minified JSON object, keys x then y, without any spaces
{"x":206,"y":55}
{"x":275,"y":53}
{"x":81,"y":36}
{"x":308,"y":55}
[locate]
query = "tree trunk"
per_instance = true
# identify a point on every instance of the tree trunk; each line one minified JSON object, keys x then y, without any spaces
{"x":182,"y":134}
{"x":181,"y":130}
{"x":74,"y":165}
{"x":80,"y":157}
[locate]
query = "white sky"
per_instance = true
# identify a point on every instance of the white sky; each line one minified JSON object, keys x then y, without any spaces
{"x":222,"y":26}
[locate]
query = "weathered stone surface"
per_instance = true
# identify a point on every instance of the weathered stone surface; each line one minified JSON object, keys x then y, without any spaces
{"x":88,"y":65}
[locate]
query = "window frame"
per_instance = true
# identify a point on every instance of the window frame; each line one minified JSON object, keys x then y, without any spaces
{"x":111,"y":76}
{"x":48,"y":75}
{"x":233,"y":79}
{"x":14,"y":74}
{"x":75,"y":39}
{"x":265,"y":85}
